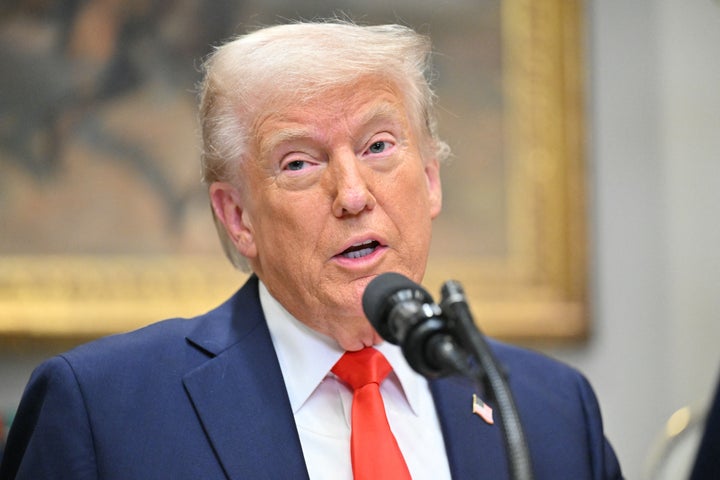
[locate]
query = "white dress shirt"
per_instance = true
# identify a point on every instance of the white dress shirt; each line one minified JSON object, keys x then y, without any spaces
{"x":321,"y":403}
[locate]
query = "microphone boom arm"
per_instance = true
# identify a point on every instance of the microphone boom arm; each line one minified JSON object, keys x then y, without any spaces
{"x":439,"y":340}
{"x":491,"y":376}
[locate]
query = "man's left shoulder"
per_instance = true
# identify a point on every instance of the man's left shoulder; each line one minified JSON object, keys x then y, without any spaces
{"x":536,"y":371}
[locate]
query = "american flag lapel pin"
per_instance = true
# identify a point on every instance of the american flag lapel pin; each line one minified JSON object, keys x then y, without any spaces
{"x":482,"y":409}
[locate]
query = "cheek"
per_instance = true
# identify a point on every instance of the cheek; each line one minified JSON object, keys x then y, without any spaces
{"x":289,"y":225}
{"x":410,"y":193}
{"x":412,"y":209}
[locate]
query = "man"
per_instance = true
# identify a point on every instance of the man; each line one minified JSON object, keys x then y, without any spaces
{"x":322,"y":160}
{"x":707,"y":457}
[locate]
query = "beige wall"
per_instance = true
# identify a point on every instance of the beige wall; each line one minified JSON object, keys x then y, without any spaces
{"x":655,"y":169}
{"x":654,"y":122}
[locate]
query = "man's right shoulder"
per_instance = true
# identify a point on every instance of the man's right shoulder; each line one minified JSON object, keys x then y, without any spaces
{"x":165,"y":339}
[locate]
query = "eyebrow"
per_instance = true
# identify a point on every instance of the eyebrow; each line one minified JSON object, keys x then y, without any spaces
{"x":282,"y":136}
{"x":381,"y":112}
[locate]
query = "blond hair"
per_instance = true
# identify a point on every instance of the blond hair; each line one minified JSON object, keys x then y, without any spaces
{"x":298,"y":62}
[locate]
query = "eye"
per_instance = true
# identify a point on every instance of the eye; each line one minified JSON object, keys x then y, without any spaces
{"x":296,"y":165}
{"x":378,"y":147}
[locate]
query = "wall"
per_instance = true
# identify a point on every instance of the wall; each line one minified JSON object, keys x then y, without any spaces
{"x":654,"y":151}
{"x":654,"y":118}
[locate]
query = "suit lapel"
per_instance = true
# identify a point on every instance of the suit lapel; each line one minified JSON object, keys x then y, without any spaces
{"x":473,"y":446}
{"x":239,"y":394}
{"x":240,"y":399}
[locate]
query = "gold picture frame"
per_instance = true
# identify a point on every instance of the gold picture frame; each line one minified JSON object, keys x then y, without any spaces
{"x":536,"y":290}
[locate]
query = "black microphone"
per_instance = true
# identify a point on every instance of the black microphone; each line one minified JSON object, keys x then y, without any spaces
{"x":404,"y":314}
{"x":434,"y":338}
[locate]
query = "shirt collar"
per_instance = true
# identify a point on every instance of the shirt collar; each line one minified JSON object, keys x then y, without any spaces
{"x":306,"y":356}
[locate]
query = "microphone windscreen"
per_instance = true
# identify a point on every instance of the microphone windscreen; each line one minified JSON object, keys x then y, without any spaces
{"x":375,"y":298}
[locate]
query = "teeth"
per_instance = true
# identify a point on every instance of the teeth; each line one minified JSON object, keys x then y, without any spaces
{"x":367,"y":242}
{"x":358,"y":253}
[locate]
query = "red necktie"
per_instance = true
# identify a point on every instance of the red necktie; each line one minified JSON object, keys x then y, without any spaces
{"x":374,"y":451}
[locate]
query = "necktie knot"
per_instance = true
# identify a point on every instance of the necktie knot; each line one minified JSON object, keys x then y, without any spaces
{"x":362,"y":367}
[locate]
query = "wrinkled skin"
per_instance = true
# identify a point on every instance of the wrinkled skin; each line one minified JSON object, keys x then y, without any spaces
{"x":335,"y":192}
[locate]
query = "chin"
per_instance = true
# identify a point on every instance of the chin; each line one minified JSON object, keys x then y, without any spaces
{"x":359,"y":339}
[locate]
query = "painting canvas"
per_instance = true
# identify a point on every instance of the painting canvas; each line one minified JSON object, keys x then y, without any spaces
{"x":105,"y":225}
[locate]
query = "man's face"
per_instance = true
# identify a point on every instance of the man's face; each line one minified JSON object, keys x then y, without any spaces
{"x":335,"y":193}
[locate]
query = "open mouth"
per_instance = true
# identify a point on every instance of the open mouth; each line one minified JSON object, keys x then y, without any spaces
{"x":360,"y":250}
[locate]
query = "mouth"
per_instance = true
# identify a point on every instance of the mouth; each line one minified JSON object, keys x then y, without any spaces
{"x":360,"y":250}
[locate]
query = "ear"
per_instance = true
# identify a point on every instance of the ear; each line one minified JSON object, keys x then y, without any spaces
{"x":229,"y":209}
{"x":432,"y":175}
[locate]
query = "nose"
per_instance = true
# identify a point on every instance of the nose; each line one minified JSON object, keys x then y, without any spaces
{"x":352,"y":193}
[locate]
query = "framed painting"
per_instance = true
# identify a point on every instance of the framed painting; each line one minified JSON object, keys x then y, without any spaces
{"x":105,"y":227}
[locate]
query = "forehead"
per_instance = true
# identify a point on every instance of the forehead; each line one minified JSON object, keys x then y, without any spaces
{"x":341,"y":109}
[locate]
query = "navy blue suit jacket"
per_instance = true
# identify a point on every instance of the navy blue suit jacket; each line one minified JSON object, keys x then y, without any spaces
{"x":707,"y":459}
{"x":205,"y":399}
